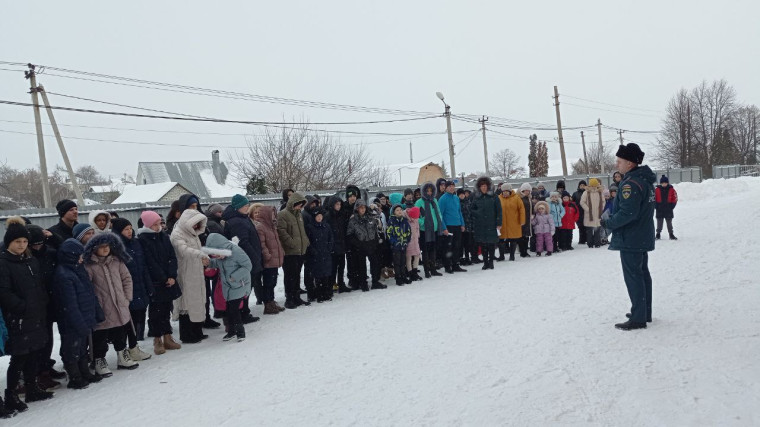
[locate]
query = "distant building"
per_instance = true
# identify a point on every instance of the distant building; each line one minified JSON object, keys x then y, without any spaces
{"x":161,"y":192}
{"x":205,"y":178}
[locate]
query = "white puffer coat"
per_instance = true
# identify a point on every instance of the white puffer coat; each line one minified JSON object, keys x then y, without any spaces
{"x":190,"y":277}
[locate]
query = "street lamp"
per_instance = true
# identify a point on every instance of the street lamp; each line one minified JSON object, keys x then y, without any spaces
{"x":447,"y":113}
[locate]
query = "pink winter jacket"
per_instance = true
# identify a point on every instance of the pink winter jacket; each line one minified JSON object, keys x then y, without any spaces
{"x":266,"y":226}
{"x":113,"y":287}
{"x":413,"y":248}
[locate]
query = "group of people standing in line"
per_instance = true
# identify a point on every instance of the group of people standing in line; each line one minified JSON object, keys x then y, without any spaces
{"x":100,"y":281}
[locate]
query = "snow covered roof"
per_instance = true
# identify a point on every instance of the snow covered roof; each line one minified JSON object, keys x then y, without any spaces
{"x":145,"y":193}
{"x":202,"y":178}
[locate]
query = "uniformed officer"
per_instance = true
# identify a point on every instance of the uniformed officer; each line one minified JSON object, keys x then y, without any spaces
{"x":632,"y":225}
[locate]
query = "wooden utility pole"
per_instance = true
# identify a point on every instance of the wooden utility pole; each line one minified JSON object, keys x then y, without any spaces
{"x":585,"y":159}
{"x":485,"y":145}
{"x":620,"y":132}
{"x":451,"y":141}
{"x":559,"y":130}
{"x":601,"y":144}
{"x":72,"y":176}
{"x":32,"y":76}
{"x":411,"y":158}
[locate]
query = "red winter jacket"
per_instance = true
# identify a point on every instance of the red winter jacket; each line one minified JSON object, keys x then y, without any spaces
{"x":571,"y":215}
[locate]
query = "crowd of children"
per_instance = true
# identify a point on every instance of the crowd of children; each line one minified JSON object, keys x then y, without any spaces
{"x":102,"y":281}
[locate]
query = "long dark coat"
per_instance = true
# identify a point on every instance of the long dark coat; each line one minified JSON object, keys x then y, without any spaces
{"x":24,"y":300}
{"x":486,"y":215}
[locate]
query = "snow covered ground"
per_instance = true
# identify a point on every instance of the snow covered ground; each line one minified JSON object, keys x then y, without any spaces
{"x":529,"y":343}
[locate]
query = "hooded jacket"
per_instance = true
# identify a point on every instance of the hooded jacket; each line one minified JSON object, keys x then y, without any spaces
{"x":290,"y":228}
{"x":571,"y":215}
{"x":24,"y":303}
{"x":161,"y":263}
{"x":240,"y":225}
{"x":272,"y":253}
{"x":78,"y":307}
{"x":399,"y":231}
{"x":592,"y":204}
{"x":437,"y":193}
{"x":429,"y":208}
{"x":284,"y":201}
{"x":138,"y":269}
{"x":234,"y":270}
{"x":91,"y":219}
{"x":362,"y":230}
{"x":557,"y":211}
{"x":319,"y":253}
{"x":338,"y":223}
{"x":187,"y":246}
{"x":543,"y":223}
{"x":513,"y":216}
{"x":111,"y":278}
{"x":632,"y":220}
{"x":665,"y":201}
{"x":486,"y":213}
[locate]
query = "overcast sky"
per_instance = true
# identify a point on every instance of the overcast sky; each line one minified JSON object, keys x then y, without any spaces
{"x":492,"y":58}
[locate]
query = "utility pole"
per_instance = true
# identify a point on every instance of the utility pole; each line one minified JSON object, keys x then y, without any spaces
{"x":72,"y":176}
{"x":585,"y":159}
{"x":620,"y":132}
{"x":559,"y":130}
{"x":411,"y":158}
{"x":485,"y":145}
{"x":601,"y":144}
{"x":447,"y":113}
{"x":32,"y":76}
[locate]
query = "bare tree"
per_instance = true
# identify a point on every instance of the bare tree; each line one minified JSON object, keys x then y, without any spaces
{"x":595,"y":156}
{"x":744,"y":133}
{"x":505,"y":164}
{"x":302,"y":158}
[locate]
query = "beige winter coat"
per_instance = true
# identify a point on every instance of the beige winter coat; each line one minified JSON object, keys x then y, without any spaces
{"x":190,"y":277}
{"x":113,"y":287}
{"x":592,"y":203}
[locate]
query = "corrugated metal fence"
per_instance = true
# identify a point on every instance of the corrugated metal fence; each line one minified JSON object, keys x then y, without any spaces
{"x":735,"y":171}
{"x":49,"y":217}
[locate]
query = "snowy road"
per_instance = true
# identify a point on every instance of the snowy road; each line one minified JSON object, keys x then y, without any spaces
{"x":529,"y":343}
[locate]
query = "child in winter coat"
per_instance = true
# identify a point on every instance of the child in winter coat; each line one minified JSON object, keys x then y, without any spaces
{"x":162,"y":268}
{"x":665,"y":199}
{"x":568,"y":222}
{"x":78,"y":313}
{"x":272,"y":254}
{"x":413,"y":248}
{"x":106,"y":263}
{"x":543,"y":228}
{"x":23,"y":299}
{"x":319,"y":255}
{"x":235,"y":272}
{"x":592,"y":203}
{"x":361,"y":235}
{"x":609,"y":199}
{"x":99,"y":221}
{"x":399,"y":233}
{"x":557,"y":212}
{"x":138,"y":269}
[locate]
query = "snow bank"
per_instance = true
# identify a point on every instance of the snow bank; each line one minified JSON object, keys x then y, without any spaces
{"x":529,"y":343}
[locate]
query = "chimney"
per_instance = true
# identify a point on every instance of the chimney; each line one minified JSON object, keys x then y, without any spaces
{"x":216,"y":167}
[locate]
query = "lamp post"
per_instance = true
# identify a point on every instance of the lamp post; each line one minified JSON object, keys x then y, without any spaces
{"x":447,"y":113}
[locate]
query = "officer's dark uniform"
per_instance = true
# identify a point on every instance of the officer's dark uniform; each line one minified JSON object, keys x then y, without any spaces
{"x":632,"y":225}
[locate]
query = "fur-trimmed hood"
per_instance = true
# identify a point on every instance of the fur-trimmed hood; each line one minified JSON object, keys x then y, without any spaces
{"x":113,"y":241}
{"x":430,"y":185}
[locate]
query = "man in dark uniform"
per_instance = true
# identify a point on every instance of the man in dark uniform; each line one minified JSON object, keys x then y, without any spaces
{"x":632,"y":225}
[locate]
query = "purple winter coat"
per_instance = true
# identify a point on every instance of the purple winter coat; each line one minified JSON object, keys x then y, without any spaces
{"x":542,"y":223}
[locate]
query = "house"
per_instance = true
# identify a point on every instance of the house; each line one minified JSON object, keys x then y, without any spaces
{"x":205,"y":178}
{"x":429,"y":173}
{"x":161,"y":192}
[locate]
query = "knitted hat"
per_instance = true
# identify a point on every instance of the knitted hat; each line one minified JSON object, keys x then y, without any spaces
{"x":213,"y":209}
{"x":319,"y":211}
{"x":525,"y":186}
{"x":150,"y":218}
{"x":664,"y":179}
{"x":560,"y":184}
{"x":15,"y":228}
{"x":541,"y":184}
{"x":460,"y":191}
{"x":606,"y":193}
{"x":80,"y":230}
{"x":36,"y":234}
{"x":413,"y":212}
{"x":64,"y":206}
{"x":506,"y":187}
{"x":119,"y":224}
{"x":613,"y":188}
{"x":631,"y":152}
{"x":566,"y":194}
{"x":238,"y":201}
{"x":593,"y":182}
{"x":190,"y":201}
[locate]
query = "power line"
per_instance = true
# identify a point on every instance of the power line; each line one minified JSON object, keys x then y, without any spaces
{"x":611,"y":105}
{"x":611,"y":111}
{"x":194,"y":119}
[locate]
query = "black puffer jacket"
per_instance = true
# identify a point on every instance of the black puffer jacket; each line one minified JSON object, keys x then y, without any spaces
{"x":162,"y":264}
{"x":338,"y":223}
{"x":78,"y":307}
{"x":47,"y":258}
{"x":319,"y":253}
{"x":24,"y":302}
{"x":362,"y":231}
{"x":61,"y":232}
{"x":138,"y":269}
{"x":240,"y":226}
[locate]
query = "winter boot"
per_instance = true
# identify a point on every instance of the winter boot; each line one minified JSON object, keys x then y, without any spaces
{"x":657,"y":236}
{"x":278,"y":306}
{"x":250,"y":318}
{"x":391,"y":273}
{"x":170,"y":344}
{"x":231,"y":333}
{"x":384,"y":273}
{"x":197,"y":328}
{"x":84,"y":371}
{"x":538,"y":253}
{"x":629,"y":326}
{"x":378,"y":285}
{"x":628,"y":315}
{"x":240,"y":332}
{"x":54,"y":374}
{"x":343,"y":288}
{"x":46,"y":382}
{"x":548,"y":254}
{"x":137,"y":354}
{"x":299,"y":301}
{"x":673,"y":237}
{"x":124,"y":360}
{"x":158,"y":346}
{"x":458,"y":269}
{"x":364,"y":287}
{"x":400,"y":281}
{"x":5,"y":412}
{"x":13,"y":403}
{"x":101,"y":368}
{"x":435,"y":272}
{"x":76,"y":381}
{"x":187,"y":333}
{"x":35,"y":394}
{"x":210,"y":323}
{"x":427,"y":271}
{"x":271,"y":308}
